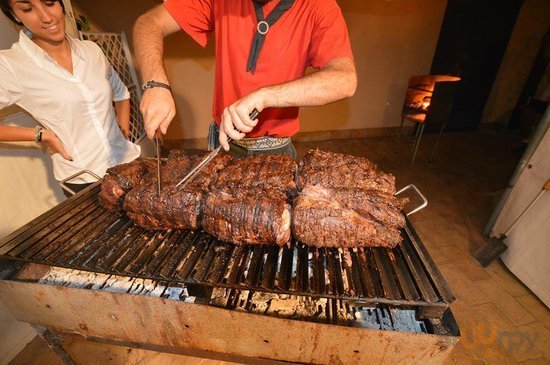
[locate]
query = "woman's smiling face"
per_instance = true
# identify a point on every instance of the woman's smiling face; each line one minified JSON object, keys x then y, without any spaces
{"x":44,"y":18}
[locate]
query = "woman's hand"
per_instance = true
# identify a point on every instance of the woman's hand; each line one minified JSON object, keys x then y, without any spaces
{"x":125,"y":133}
{"x":54,"y":145}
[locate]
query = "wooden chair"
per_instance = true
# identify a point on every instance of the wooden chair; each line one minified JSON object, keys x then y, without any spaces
{"x":429,"y":100}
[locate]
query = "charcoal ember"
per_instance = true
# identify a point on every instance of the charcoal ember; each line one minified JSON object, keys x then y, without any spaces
{"x":274,"y":172}
{"x":340,"y":171}
{"x":247,"y":216}
{"x":176,"y":207}
{"x":320,"y":219}
{"x":120,"y":179}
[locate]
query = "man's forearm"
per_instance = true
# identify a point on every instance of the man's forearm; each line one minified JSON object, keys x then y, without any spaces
{"x":149,"y":32}
{"x":336,"y":81}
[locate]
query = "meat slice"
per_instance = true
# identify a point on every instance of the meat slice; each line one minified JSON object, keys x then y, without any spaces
{"x":371,"y":204}
{"x":120,"y":179}
{"x":273,"y":172}
{"x":176,"y":207}
{"x":247,"y":216}
{"x":327,"y":218}
{"x":340,"y":171}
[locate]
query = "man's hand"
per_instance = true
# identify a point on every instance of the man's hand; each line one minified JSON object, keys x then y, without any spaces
{"x":158,"y":109}
{"x":236,"y":122}
{"x":54,"y":144}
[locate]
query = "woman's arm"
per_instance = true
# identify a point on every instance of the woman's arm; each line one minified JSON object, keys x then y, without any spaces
{"x":21,"y":134}
{"x":122,"y":108}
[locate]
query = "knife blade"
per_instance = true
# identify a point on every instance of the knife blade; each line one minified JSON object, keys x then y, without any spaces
{"x":195,"y":171}
{"x":158,"y":161}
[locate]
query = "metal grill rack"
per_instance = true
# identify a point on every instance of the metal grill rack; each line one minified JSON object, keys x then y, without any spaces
{"x":80,"y":234}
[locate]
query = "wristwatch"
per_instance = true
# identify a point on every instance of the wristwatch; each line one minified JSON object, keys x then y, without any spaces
{"x":153,"y":83}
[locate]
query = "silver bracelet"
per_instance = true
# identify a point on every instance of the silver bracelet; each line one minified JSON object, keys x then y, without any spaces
{"x":38,"y":134}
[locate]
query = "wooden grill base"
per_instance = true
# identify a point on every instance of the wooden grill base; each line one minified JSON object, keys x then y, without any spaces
{"x":179,"y":327}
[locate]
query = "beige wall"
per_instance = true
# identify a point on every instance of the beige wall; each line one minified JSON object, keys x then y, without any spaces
{"x":533,"y":22}
{"x":392,"y":40}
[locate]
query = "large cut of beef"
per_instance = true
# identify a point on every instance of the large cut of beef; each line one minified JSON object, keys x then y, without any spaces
{"x":248,"y":203}
{"x":261,"y":172}
{"x":341,"y":200}
{"x":122,"y":178}
{"x":345,"y":201}
{"x":347,"y":218}
{"x":251,"y":216}
{"x":339,"y":171}
{"x":176,"y":207}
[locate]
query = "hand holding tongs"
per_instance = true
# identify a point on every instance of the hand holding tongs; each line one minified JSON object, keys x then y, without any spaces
{"x":195,"y":171}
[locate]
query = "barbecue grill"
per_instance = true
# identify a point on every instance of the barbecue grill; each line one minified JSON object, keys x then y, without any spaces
{"x":361,"y":293}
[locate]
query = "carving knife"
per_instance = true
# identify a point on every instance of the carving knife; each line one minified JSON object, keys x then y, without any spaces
{"x":195,"y":171}
{"x":158,"y":160}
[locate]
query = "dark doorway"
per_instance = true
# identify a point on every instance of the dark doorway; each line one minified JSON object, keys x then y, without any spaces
{"x":472,"y":42}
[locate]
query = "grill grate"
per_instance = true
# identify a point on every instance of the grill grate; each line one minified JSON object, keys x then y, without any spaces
{"x":80,"y":234}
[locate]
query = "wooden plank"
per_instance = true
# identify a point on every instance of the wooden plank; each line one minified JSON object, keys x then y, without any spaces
{"x":162,"y":322}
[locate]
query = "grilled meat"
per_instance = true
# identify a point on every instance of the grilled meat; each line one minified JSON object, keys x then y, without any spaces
{"x":351,"y":218}
{"x":273,"y":172}
{"x":176,"y":207}
{"x":121,"y":179}
{"x":339,"y":171}
{"x":251,"y":216}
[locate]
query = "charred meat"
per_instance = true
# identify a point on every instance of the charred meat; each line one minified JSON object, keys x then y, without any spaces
{"x":176,"y":207}
{"x":354,"y":218}
{"x":339,"y":171}
{"x":122,"y":178}
{"x":251,"y":216}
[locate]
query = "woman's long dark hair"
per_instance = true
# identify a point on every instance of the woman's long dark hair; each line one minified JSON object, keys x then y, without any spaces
{"x":8,"y":11}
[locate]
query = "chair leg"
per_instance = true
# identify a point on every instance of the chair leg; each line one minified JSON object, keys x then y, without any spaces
{"x":417,"y":142}
{"x":417,"y":128}
{"x":399,"y":135}
{"x":437,"y":142}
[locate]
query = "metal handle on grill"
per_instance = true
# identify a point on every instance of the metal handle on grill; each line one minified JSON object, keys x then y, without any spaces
{"x":64,"y":181}
{"x":420,"y":195}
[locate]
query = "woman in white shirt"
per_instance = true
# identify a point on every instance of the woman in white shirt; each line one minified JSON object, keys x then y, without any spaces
{"x":68,"y":86}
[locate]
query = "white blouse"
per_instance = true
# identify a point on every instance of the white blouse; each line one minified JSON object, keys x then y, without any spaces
{"x":76,"y":107}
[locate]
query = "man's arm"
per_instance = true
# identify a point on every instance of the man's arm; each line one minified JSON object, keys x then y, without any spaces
{"x":157,"y":104}
{"x":335,"y":81}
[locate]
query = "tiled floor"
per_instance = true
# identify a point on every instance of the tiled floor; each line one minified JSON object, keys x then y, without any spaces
{"x":501,"y":321}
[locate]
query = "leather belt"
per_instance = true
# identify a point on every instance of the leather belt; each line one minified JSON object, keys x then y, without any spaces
{"x":262,"y":143}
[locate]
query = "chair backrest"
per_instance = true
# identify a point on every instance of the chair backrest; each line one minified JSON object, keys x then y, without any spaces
{"x":115,"y":47}
{"x":441,"y":103}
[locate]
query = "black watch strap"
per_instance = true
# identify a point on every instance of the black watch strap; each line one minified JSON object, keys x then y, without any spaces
{"x":153,"y":83}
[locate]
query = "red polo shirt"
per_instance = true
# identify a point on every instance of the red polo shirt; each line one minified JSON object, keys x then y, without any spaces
{"x":310,"y":33}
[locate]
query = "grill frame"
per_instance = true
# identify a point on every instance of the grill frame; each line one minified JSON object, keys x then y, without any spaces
{"x":403,"y":277}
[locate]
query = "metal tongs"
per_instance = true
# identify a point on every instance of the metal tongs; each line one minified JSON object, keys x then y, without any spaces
{"x":195,"y":171}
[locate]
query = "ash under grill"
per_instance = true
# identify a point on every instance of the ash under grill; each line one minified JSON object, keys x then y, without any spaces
{"x":80,"y":234}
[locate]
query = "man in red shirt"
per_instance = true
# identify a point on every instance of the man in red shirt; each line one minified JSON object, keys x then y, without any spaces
{"x":262,"y":51}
